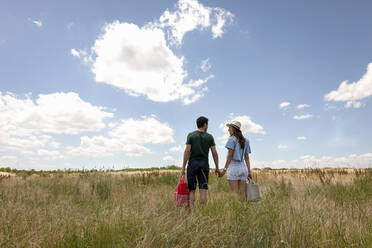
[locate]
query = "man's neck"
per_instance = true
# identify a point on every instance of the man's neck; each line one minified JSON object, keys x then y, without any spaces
{"x":201,"y":130}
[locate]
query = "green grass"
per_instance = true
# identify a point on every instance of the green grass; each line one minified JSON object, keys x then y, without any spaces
{"x":100,"y":209}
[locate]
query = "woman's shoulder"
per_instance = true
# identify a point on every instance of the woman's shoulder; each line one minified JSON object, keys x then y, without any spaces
{"x":233,"y":138}
{"x":231,"y":141}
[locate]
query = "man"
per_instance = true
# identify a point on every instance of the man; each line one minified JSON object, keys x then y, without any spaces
{"x":196,"y":152}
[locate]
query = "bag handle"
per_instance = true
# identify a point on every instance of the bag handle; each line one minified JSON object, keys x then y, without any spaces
{"x":251,"y":181}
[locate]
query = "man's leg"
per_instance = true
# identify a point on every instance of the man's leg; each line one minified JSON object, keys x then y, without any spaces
{"x":191,"y":183}
{"x":203,"y":195}
{"x":203,"y":177}
{"x":192,"y":198}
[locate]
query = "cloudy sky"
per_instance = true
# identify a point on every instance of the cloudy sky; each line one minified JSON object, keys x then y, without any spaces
{"x":118,"y":84}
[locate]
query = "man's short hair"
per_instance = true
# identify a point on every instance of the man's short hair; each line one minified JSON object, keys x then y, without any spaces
{"x":201,"y":121}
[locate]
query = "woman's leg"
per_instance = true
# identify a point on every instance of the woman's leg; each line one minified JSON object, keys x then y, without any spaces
{"x":234,"y":187}
{"x":242,"y":190}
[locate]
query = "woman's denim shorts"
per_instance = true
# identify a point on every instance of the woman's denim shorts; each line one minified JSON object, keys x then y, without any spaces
{"x":237,"y":171}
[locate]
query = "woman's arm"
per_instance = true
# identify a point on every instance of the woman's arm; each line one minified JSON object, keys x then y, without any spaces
{"x":228,"y":160}
{"x":246,"y":158}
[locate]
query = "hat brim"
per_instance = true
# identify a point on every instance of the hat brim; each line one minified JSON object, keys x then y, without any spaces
{"x":232,"y":125}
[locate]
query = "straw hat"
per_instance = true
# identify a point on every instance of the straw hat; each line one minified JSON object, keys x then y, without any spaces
{"x":235,"y":124}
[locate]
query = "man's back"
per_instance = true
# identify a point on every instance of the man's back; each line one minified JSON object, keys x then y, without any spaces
{"x":200,"y":143}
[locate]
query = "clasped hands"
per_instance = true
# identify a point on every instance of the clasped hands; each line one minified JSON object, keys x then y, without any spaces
{"x":219,"y":173}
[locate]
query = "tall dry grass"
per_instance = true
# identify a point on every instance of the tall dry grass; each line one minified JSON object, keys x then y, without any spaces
{"x":304,"y":208}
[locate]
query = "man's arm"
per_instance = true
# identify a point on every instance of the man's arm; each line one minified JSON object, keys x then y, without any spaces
{"x":215,"y":159}
{"x":247,"y":162}
{"x":186,"y":156}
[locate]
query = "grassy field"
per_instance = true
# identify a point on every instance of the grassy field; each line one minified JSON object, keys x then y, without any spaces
{"x":300,"y":208}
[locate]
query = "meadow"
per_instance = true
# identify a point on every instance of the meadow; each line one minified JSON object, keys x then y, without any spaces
{"x":300,"y":208}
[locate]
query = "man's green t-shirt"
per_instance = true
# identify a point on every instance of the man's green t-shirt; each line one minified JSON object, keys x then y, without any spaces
{"x":200,"y":143}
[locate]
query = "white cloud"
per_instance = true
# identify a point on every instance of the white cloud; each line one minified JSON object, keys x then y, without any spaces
{"x":177,"y":149}
{"x":248,"y":126}
{"x":223,"y":17}
{"x":38,"y":23}
{"x":28,"y":152}
{"x":75,"y":53}
{"x":199,"y":82}
{"x":310,"y":161}
{"x":301,"y":138}
{"x":353,"y":104}
{"x":113,"y":124}
{"x":284,"y":105}
{"x":275,"y":164}
{"x":49,"y":154}
{"x":12,"y":142}
{"x":351,"y":93}
{"x":328,"y":107}
{"x":146,"y":130}
{"x":83,"y":55}
{"x":168,"y":158}
{"x":55,"y":144}
{"x":8,"y":161}
{"x":190,"y":15}
{"x":139,"y":61}
{"x":189,"y":100}
{"x":99,"y":146}
{"x":127,"y":137}
{"x":53,"y":113}
{"x":302,"y":117}
{"x":302,"y":106}
{"x":23,"y":122}
{"x":205,"y":65}
{"x":282,"y":146}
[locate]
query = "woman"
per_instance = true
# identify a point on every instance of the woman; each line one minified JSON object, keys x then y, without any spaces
{"x":237,"y":171}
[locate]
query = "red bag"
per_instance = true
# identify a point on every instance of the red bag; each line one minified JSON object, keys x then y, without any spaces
{"x":181,"y":196}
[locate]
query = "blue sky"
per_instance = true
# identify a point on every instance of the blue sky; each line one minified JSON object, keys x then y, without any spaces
{"x":116,"y":84}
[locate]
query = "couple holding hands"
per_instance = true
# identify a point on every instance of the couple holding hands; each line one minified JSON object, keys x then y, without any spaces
{"x":196,"y":153}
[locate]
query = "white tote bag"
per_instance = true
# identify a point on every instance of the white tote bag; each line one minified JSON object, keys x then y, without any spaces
{"x":253,"y":191}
